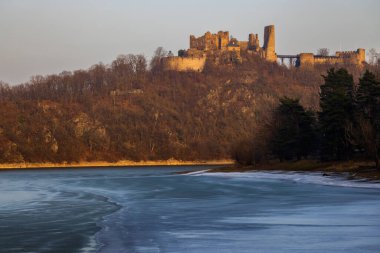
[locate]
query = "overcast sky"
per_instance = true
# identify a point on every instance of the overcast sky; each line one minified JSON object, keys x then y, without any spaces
{"x":49,"y":36}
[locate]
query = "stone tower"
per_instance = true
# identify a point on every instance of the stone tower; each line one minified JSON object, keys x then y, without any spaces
{"x":270,"y":43}
{"x":361,"y":55}
{"x":223,"y":40}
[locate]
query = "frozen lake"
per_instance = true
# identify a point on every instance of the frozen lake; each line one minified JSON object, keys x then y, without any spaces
{"x":155,"y":210}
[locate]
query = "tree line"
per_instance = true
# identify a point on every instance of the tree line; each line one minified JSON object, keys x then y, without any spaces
{"x":347,"y":126}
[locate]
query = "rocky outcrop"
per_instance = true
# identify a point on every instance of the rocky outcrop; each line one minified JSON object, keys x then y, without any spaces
{"x":9,"y":150}
{"x":50,"y":140}
{"x":94,"y":133}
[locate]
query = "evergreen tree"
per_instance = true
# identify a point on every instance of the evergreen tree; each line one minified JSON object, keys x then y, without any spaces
{"x":368,"y":115}
{"x":295,"y":132}
{"x":336,"y":116}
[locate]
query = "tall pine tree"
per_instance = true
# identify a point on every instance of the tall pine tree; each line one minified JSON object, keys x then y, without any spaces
{"x":336,"y":116}
{"x":368,"y":115}
{"x":295,"y":135}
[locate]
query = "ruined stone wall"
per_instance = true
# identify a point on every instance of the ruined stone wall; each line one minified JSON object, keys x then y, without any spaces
{"x":224,"y":39}
{"x":243,"y":45}
{"x":327,"y":60}
{"x":197,"y":43}
{"x":193,"y":42}
{"x":348,"y":57}
{"x":209,"y":41}
{"x":353,"y":57}
{"x":192,"y":52}
{"x":234,"y":49}
{"x":185,"y":63}
{"x":306,"y":59}
{"x":253,"y":42}
{"x":309,"y":59}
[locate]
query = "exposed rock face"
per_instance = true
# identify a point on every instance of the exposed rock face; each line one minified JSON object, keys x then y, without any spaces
{"x":82,"y":124}
{"x":54,"y":147}
{"x":9,"y":150}
{"x":50,"y":140}
{"x":95,"y":134}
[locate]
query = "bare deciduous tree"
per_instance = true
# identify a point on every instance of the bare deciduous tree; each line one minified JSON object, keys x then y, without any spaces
{"x":156,"y":61}
{"x":323,"y":52}
{"x":373,"y":56}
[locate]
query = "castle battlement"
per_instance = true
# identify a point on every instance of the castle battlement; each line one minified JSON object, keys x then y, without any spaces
{"x":346,"y":52}
{"x":341,"y":57}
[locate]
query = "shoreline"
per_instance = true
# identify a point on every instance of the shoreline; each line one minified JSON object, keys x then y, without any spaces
{"x":351,"y":169}
{"x":103,"y":164}
{"x":359,"y":170}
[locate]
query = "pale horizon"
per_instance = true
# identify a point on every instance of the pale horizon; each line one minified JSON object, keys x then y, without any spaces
{"x":47,"y":37}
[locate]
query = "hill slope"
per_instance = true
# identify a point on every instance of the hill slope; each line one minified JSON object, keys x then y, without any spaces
{"x":125,"y":111}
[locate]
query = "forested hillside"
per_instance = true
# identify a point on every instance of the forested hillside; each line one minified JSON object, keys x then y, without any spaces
{"x":127,"y":110}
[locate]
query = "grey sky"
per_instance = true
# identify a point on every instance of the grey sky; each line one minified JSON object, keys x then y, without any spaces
{"x":49,"y":36}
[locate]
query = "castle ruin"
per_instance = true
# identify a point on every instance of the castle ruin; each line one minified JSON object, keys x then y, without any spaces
{"x":221,"y":47}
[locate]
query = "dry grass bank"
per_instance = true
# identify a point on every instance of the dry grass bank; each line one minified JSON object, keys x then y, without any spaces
{"x":125,"y":163}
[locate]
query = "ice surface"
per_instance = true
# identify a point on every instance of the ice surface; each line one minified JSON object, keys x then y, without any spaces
{"x":156,"y":210}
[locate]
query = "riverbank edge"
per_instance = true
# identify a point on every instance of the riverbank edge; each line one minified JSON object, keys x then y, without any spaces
{"x":360,"y":170}
{"x":124,"y":163}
